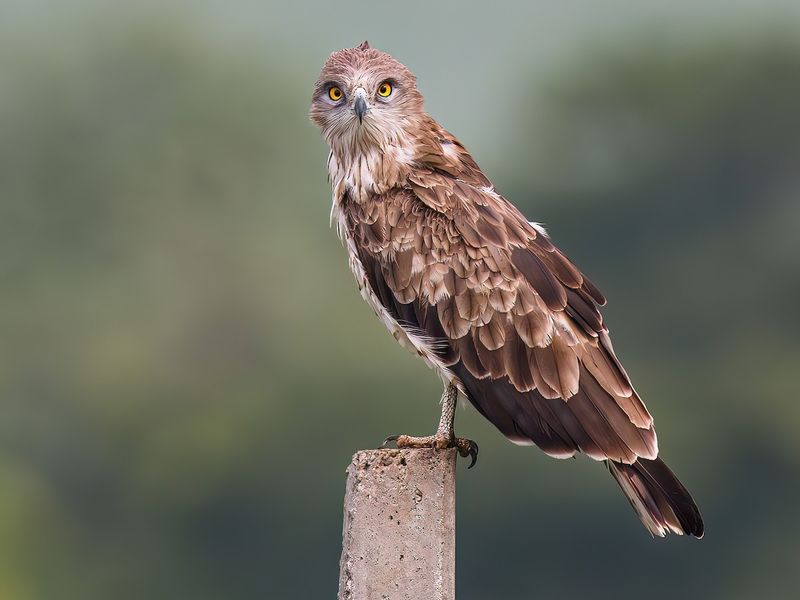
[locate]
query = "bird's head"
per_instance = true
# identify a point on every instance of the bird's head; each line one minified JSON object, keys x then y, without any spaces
{"x":364,"y":99}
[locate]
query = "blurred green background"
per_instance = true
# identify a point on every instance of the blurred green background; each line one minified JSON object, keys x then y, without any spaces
{"x":186,"y":366}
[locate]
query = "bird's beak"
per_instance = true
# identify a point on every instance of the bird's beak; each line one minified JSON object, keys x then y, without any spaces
{"x":360,"y":104}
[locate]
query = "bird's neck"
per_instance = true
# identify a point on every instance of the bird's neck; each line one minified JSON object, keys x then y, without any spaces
{"x":361,"y":173}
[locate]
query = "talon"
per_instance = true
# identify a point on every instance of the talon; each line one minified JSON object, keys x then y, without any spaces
{"x":468,"y":448}
{"x":464,"y":446}
{"x":385,"y":444}
{"x":473,"y":452}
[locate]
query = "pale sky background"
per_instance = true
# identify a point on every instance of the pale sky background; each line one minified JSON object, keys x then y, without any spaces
{"x":433,"y":38}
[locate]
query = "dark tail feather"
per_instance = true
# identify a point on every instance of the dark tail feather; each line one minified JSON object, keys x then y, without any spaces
{"x":660,"y":500}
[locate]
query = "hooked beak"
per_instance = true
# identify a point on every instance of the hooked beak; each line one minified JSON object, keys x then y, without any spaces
{"x":360,"y":104}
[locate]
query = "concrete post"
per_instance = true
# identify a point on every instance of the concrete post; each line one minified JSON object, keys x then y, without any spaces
{"x":398,"y":538}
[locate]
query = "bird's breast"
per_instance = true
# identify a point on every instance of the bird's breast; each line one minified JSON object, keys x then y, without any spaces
{"x":412,"y":341}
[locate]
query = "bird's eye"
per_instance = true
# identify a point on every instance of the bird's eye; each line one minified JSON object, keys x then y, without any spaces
{"x":335,"y":93}
{"x":385,"y":89}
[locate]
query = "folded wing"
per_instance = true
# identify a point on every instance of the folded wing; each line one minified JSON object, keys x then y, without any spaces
{"x":506,"y":312}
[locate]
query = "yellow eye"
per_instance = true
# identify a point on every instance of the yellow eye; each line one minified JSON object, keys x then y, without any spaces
{"x":335,"y":94}
{"x":385,"y":89}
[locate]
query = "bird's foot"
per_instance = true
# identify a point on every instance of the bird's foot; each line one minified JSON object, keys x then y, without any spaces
{"x":464,"y":446}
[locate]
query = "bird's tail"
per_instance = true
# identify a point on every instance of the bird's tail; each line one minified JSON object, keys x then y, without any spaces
{"x":660,"y":500}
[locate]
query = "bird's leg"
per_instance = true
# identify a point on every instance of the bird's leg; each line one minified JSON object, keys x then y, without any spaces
{"x":445,"y":434}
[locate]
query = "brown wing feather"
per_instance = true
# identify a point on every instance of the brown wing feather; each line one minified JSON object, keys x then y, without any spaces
{"x":457,"y":263}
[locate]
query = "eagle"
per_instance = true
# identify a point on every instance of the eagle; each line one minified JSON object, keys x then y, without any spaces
{"x":460,"y":277}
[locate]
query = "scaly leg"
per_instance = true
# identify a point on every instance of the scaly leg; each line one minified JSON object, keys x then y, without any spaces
{"x":445,"y":434}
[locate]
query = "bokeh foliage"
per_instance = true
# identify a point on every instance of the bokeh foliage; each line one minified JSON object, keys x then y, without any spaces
{"x":186,"y":366}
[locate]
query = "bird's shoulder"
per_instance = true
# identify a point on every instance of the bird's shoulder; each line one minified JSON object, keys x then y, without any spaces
{"x":438,"y":150}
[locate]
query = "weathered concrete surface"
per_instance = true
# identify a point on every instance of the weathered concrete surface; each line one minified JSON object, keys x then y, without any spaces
{"x":398,"y":539}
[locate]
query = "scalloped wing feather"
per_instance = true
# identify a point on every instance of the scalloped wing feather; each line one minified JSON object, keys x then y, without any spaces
{"x":511,"y":312}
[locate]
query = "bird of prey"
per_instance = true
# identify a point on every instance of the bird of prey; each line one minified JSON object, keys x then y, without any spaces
{"x":460,"y":277}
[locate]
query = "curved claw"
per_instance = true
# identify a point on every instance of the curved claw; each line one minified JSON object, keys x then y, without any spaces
{"x":468,"y":448}
{"x":473,"y":452}
{"x":385,"y":444}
